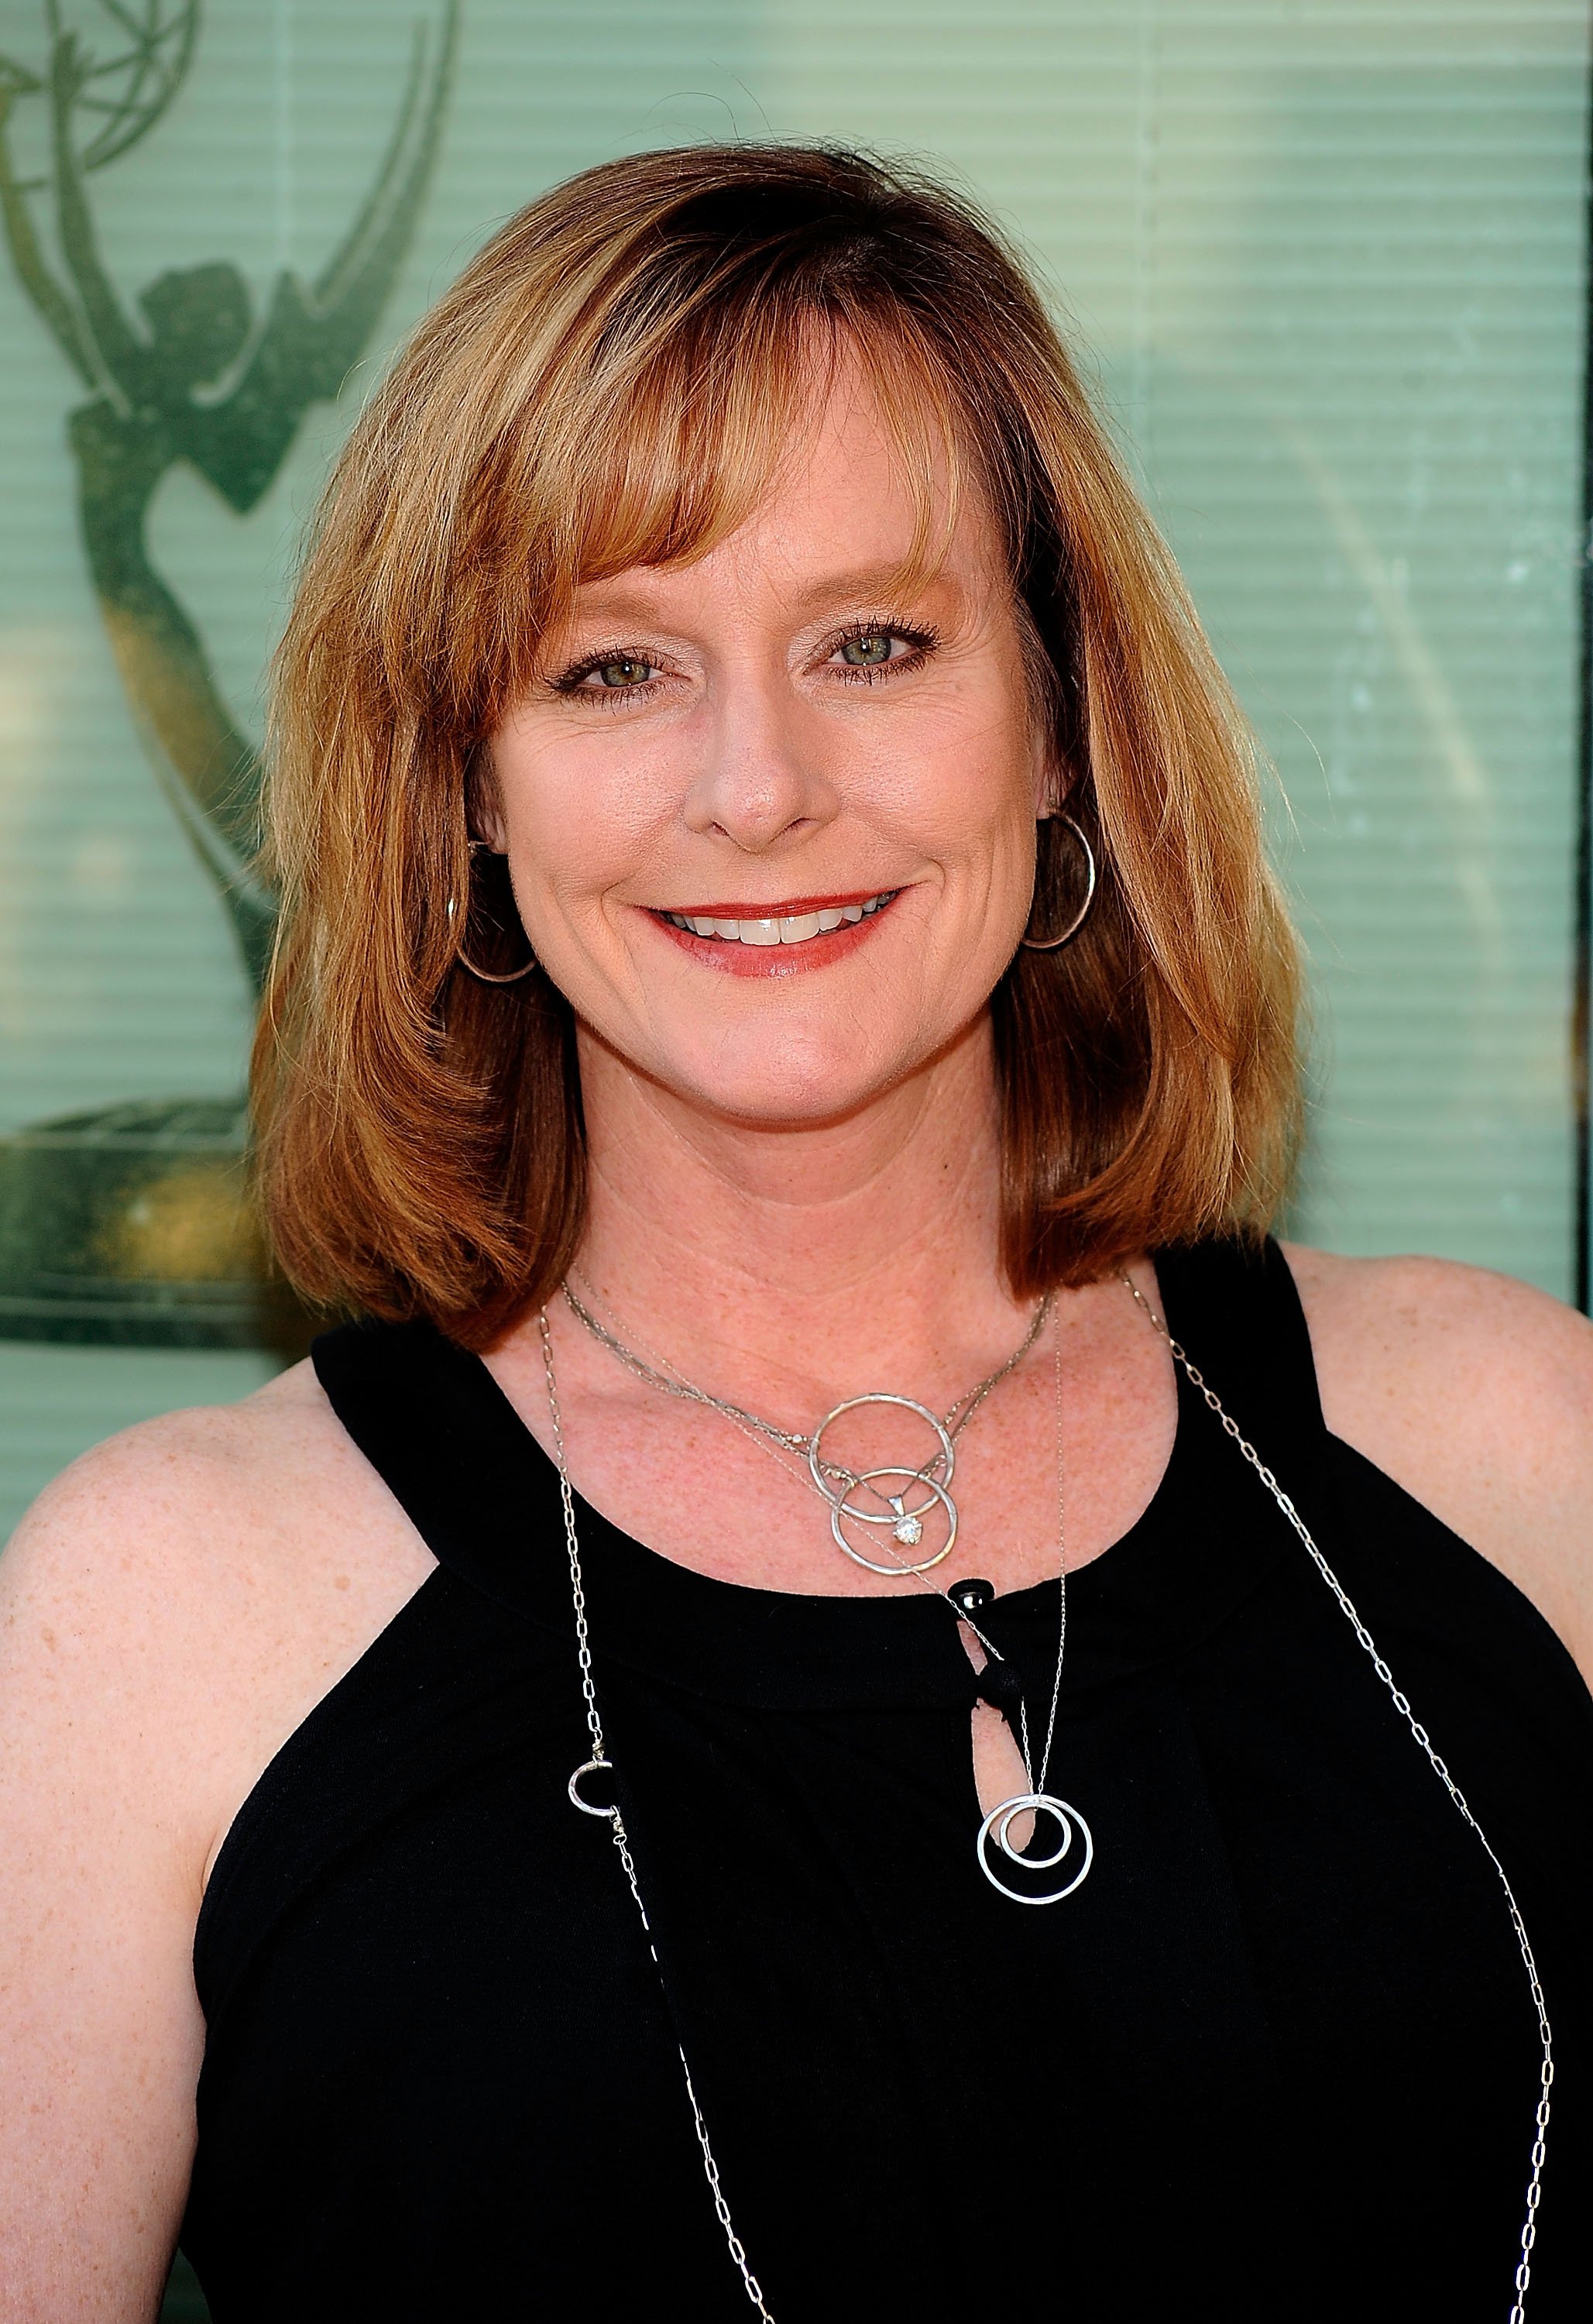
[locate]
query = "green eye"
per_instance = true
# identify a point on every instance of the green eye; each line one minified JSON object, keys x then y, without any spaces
{"x":624,"y":672}
{"x":864,"y":653}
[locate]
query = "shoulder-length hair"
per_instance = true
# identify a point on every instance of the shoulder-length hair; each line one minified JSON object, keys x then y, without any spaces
{"x":609,"y":384}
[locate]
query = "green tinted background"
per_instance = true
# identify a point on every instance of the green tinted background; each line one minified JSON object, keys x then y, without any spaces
{"x":1328,"y":261}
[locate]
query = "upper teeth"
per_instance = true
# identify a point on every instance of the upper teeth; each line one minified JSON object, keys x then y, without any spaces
{"x":795,"y":929}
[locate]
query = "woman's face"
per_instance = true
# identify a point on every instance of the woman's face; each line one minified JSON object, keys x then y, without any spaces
{"x":771,"y":827}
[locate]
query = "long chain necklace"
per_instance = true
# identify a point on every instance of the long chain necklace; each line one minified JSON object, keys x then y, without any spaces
{"x":1529,"y":2231}
{"x":600,"y":1765}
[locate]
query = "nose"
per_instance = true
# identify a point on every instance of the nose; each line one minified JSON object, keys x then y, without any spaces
{"x":763,"y":781}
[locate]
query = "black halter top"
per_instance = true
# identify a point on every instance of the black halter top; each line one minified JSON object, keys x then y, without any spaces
{"x":1276,"y":2058}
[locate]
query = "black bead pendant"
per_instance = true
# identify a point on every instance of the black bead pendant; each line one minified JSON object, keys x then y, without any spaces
{"x":972,"y":1596}
{"x":1000,"y":1684}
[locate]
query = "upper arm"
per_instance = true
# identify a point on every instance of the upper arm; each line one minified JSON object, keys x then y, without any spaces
{"x":100,"y":2031}
{"x":1475,"y":1393}
{"x":170,"y":1611}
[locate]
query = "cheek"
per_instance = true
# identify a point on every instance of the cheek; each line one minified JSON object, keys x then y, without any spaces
{"x":966,"y":785}
{"x":579,"y":816}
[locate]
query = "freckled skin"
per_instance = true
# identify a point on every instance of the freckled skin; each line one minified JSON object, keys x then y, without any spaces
{"x":793,"y":1194}
{"x":759,"y":766}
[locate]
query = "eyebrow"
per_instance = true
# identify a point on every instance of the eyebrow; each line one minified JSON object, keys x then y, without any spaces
{"x":880,"y":580}
{"x":876,"y":582}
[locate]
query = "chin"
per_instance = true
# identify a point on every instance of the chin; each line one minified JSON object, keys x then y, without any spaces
{"x":794,"y":1086}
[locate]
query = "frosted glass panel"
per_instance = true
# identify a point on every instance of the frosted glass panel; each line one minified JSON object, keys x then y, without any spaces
{"x":1330,"y":261}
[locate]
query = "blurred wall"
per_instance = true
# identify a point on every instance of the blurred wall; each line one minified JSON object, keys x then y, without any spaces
{"x":1329,"y":259}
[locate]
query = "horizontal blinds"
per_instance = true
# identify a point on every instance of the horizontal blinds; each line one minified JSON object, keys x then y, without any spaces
{"x":1328,"y":261}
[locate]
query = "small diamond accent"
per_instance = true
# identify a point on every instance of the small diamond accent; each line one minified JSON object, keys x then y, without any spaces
{"x":908,"y":1531}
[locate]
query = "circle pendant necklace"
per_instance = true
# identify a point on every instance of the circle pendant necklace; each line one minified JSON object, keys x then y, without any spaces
{"x":998,"y":1855}
{"x":1011,"y":1869}
{"x":907,"y":1524}
{"x":854,"y":1497}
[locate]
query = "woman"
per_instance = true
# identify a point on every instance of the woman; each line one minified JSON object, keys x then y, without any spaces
{"x":779,"y":1005}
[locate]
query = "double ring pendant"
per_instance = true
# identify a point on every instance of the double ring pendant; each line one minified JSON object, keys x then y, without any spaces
{"x":994,"y":1847}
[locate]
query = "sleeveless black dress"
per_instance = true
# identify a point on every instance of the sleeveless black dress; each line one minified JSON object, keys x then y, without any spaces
{"x":1275,"y":2059}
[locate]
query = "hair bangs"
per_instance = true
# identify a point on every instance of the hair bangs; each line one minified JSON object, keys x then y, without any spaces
{"x":683,"y":434}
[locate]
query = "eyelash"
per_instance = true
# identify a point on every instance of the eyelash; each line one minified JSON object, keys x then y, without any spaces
{"x":921,"y":640}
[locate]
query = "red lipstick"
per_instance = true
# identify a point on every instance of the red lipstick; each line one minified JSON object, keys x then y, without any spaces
{"x":732,"y":957}
{"x":791,"y":907}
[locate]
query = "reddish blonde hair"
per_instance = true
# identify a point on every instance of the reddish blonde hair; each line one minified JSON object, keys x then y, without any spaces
{"x":610,"y":383}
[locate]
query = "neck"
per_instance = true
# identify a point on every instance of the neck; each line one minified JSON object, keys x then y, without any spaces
{"x":810,"y":1262}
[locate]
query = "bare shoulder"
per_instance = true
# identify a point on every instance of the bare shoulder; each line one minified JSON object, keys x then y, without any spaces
{"x":218,"y":1568}
{"x":1475,"y":1392}
{"x":170,"y":1479}
{"x":170,"y":1610}
{"x":220,"y":1499}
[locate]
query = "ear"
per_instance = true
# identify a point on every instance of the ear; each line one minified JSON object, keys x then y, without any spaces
{"x":483,"y":802}
{"x":1049,"y":779}
{"x":1048,"y":774}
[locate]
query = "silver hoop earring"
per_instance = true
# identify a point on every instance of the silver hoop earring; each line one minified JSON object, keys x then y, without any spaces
{"x":483,"y":975}
{"x":1055,"y":943}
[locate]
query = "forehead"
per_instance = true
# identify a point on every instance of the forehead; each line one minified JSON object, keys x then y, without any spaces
{"x":860,"y":499}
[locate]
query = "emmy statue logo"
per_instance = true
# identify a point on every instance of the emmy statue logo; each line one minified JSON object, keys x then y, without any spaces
{"x":132,"y":1225}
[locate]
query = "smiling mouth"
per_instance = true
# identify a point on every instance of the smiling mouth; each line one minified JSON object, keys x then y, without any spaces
{"x":787,"y":927}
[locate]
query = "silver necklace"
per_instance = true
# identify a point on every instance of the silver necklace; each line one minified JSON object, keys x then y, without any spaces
{"x":998,"y":1684}
{"x":599,"y":1764}
{"x":1529,"y":2231}
{"x":834,"y":1483}
{"x":995,"y":1827}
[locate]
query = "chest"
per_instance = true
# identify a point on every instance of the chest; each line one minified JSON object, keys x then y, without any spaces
{"x":438,"y":2043}
{"x":1041,"y":1462}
